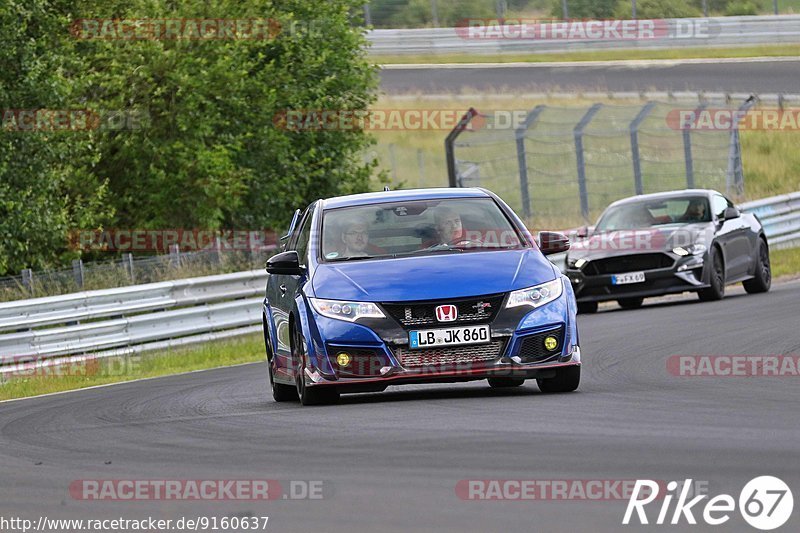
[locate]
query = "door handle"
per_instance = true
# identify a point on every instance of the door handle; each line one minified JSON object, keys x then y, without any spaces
{"x":282,"y":289}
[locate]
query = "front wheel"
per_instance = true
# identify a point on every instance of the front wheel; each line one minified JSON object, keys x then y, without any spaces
{"x":566,"y":379}
{"x":280,"y":392}
{"x":762,"y":280}
{"x":309,"y":395}
{"x":717,"y":289}
{"x":586,"y":308}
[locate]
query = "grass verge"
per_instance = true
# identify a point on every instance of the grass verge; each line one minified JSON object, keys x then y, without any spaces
{"x":778,"y":50}
{"x":785,"y":262}
{"x":246,"y":349}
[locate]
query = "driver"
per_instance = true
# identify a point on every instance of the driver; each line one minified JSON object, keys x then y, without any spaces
{"x":355,"y":236}
{"x":448,"y":225}
{"x":695,"y":211}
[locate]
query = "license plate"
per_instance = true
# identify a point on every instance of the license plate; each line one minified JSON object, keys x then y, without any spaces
{"x":429,"y":338}
{"x":630,"y":277}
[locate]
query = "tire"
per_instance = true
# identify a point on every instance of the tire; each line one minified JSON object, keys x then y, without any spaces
{"x":587,"y":308}
{"x":762,"y":280}
{"x":567,"y":379}
{"x":630,"y":303}
{"x":309,"y":395}
{"x":280,"y":392}
{"x":504,"y":383}
{"x":717,"y":278}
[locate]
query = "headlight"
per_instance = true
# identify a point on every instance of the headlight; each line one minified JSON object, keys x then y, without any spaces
{"x":692,"y":249}
{"x":343,"y":310}
{"x":536,"y":296}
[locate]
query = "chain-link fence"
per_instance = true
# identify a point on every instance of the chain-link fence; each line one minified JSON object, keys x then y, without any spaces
{"x":561,"y":166}
{"x":129,"y":270}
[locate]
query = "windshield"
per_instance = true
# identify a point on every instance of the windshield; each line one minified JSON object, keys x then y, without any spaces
{"x":649,"y":213}
{"x":417,"y":227}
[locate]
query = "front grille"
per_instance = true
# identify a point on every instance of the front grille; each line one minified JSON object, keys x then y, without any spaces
{"x":532,"y":349}
{"x":470,"y":311}
{"x":628,"y":263}
{"x":449,"y":356}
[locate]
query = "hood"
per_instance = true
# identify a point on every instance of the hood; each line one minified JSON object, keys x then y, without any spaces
{"x":626,"y":242}
{"x":431,"y":277}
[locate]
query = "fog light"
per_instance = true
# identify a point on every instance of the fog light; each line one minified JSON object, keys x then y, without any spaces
{"x":551,"y":343}
{"x":343,"y":359}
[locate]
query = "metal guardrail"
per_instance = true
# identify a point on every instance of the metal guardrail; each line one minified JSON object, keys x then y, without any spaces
{"x":722,"y":31}
{"x":111,"y":321}
{"x":780,"y":216}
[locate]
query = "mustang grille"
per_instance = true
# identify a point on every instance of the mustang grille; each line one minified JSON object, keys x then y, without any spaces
{"x":628,"y":263}
{"x":470,"y":311}
{"x":449,"y":356}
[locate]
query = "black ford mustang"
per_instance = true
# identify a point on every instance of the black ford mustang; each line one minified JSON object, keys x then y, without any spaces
{"x":671,"y":242}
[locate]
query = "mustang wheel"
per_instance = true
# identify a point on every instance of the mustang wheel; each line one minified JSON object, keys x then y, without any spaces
{"x":763,"y":275}
{"x":502,"y":383}
{"x":567,"y":379}
{"x":717,"y":289}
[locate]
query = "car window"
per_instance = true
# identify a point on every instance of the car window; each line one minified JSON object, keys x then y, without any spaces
{"x":303,"y":236}
{"x":416,"y":227}
{"x":649,"y":213}
{"x":718,"y":205}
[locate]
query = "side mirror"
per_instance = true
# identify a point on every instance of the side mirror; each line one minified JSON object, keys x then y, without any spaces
{"x":730,"y":212}
{"x":286,"y":263}
{"x":553,"y":243}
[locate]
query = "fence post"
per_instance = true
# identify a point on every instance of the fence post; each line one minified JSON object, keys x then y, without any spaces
{"x":735,"y":174}
{"x":435,"y":14}
{"x":174,"y":254}
{"x":127,"y":260}
{"x":367,"y":15}
{"x":522,"y":159}
{"x":78,"y":272}
{"x":421,"y":164}
{"x":449,"y":142}
{"x":27,"y":279}
{"x":634,"y":129}
{"x":578,"y":133}
{"x":687,"y":146}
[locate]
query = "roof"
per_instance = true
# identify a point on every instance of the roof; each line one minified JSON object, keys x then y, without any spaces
{"x":404,"y":195}
{"x":666,"y":194}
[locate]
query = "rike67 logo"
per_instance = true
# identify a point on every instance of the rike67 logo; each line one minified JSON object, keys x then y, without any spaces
{"x":765,"y":503}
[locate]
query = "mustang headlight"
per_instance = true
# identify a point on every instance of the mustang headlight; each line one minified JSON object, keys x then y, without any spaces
{"x":344,"y":310}
{"x":538,"y":295}
{"x":692,"y":249}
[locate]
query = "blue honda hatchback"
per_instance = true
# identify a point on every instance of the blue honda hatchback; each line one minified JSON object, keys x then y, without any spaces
{"x":416,"y":286}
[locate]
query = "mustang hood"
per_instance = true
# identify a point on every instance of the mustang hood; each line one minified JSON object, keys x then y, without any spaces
{"x":439,"y":276}
{"x":626,"y":242}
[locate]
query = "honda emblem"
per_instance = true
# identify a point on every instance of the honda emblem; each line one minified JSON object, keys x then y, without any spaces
{"x":446,"y":313}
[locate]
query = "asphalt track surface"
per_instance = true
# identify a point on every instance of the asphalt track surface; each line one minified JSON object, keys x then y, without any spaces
{"x":391,"y":461}
{"x":740,"y":76}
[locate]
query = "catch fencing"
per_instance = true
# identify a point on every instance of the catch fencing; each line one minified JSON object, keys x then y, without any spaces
{"x":561,"y":166}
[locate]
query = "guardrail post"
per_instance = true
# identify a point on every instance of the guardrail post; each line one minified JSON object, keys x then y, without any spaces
{"x":687,"y":146}
{"x":735,"y":174}
{"x":522,"y":160}
{"x":449,"y":143}
{"x":578,"y":134}
{"x":634,"y":129}
{"x":78,"y":272}
{"x":175,"y":254}
{"x":27,"y":279}
{"x":127,"y":261}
